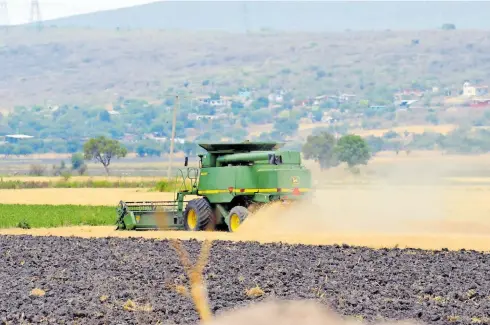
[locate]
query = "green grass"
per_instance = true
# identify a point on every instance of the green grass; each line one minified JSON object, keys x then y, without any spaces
{"x":49,"y":216}
{"x":162,"y":186}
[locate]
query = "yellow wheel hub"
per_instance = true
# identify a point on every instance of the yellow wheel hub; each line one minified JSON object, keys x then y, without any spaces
{"x":234,"y":222}
{"x":192,"y":219}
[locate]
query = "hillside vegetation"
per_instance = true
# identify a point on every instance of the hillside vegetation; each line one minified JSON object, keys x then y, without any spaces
{"x":76,"y":66}
{"x":299,"y":15}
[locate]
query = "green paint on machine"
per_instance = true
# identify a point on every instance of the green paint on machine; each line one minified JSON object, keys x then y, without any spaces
{"x":231,"y":178}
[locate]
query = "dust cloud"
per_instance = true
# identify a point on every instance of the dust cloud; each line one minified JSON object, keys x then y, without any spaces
{"x":392,"y":198}
{"x":288,"y":313}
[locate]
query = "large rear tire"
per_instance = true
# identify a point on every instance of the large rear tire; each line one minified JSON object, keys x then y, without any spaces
{"x":198,"y":215}
{"x":237,"y":216}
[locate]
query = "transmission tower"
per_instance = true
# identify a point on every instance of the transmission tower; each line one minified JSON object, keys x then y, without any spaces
{"x":35,"y":13}
{"x":4,"y":15}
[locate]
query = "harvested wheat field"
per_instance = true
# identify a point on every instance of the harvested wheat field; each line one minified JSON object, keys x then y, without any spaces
{"x":80,"y":196}
{"x":139,"y":281}
{"x":373,"y":216}
{"x":128,"y":179}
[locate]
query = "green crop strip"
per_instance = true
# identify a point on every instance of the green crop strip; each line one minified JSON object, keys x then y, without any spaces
{"x":49,"y":216}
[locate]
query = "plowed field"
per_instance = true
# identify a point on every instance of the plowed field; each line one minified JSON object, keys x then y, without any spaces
{"x":60,"y":280}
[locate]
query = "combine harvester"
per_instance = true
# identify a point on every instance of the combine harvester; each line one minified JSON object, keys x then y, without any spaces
{"x":231,"y":181}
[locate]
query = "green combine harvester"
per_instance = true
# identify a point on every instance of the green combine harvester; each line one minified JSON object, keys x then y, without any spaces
{"x":231,"y":180}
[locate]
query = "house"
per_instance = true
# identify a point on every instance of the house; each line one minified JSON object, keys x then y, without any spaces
{"x":197,"y":117}
{"x":129,"y":137}
{"x":346,"y":97}
{"x":14,"y":138}
{"x":408,"y":94}
{"x":405,"y":103}
{"x":221,"y":102}
{"x":377,"y":107}
{"x":244,"y":94}
{"x":473,"y":91}
{"x":320,"y":99}
{"x":480,"y":103}
{"x":342,"y":98}
{"x":327,"y":118}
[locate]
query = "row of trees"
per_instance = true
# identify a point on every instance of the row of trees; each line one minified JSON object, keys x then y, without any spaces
{"x":323,"y":148}
{"x":459,"y":141}
{"x":329,"y":151}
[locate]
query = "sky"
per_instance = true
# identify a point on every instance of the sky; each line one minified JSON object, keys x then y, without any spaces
{"x":19,"y":10}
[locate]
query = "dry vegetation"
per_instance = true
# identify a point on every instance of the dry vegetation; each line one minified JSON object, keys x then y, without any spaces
{"x":80,"y":65}
{"x":80,"y":196}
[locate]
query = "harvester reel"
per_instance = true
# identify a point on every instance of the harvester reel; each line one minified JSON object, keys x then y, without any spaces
{"x":198,"y":215}
{"x":236,"y":217}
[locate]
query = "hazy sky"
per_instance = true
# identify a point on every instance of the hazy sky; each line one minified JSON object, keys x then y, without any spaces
{"x":19,"y":10}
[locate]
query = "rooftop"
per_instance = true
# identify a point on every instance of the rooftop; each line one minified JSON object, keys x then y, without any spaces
{"x":19,"y":136}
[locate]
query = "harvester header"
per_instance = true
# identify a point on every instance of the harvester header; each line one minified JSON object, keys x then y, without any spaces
{"x":230,"y":181}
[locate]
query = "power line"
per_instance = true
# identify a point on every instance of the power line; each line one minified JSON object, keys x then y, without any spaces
{"x":35,"y":16}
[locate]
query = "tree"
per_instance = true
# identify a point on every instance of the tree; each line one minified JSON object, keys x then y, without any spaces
{"x":102,"y":150}
{"x":317,"y":115}
{"x":261,"y":102}
{"x":353,"y":150}
{"x":448,"y":26}
{"x":215,"y":96}
{"x":141,"y":150}
{"x":76,"y":161}
{"x":189,"y":148}
{"x":376,"y":144}
{"x":320,"y":74}
{"x":236,"y":107}
{"x":286,"y":126}
{"x":104,"y":116}
{"x":432,"y":118}
{"x":320,"y":148}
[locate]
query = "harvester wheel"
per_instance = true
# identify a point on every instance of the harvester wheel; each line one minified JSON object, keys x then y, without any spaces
{"x":198,"y":215}
{"x":237,"y":215}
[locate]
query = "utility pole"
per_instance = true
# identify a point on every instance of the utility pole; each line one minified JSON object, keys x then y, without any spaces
{"x":35,"y":16}
{"x":4,"y":15}
{"x":174,"y":121}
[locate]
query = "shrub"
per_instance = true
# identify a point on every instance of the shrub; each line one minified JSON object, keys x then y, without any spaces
{"x":82,"y":170}
{"x":37,"y":170}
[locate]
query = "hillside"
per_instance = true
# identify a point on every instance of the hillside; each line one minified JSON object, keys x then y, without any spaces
{"x":311,"y":16}
{"x":75,"y":66}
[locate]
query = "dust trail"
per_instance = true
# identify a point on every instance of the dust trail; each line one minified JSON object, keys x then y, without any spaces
{"x":400,"y":198}
{"x":288,"y":312}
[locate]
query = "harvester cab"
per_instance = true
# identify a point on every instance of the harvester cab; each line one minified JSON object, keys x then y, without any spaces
{"x":230,"y":182}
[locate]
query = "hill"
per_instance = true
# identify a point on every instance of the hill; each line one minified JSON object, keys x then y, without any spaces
{"x":78,"y":66}
{"x":311,"y":16}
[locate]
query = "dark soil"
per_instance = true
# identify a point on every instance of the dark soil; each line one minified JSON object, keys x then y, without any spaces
{"x":88,"y":281}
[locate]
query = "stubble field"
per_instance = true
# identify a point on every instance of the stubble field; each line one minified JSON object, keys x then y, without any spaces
{"x":436,"y":206}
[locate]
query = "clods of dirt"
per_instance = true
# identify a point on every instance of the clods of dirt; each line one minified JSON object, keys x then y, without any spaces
{"x":60,"y":280}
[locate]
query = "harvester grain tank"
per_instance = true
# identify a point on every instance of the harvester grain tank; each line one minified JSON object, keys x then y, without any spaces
{"x":230,"y":181}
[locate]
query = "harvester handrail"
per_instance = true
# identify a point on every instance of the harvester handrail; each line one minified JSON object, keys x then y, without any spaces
{"x":183,"y":185}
